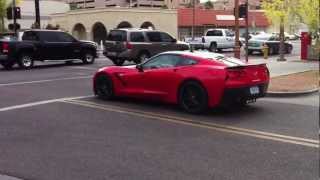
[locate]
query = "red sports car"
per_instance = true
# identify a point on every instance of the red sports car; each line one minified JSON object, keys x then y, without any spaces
{"x":194,"y":80}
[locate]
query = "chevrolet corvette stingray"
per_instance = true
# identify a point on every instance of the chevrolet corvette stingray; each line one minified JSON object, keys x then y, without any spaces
{"x":194,"y":80}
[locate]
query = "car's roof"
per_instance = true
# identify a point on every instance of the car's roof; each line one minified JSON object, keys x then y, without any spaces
{"x":42,"y":30}
{"x":228,"y":61}
{"x":132,"y":29}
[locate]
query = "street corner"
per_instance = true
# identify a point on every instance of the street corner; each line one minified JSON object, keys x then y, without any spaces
{"x":295,"y":84}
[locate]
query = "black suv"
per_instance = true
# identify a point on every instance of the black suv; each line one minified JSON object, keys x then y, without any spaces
{"x":138,"y":45}
{"x":41,"y":45}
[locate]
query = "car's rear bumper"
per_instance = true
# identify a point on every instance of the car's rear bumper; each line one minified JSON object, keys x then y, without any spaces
{"x":243,"y":94}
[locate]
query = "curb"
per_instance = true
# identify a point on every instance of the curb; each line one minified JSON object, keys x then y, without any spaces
{"x":291,"y":94}
{"x":5,"y":177}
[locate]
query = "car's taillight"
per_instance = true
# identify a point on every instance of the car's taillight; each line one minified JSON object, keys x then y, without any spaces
{"x":234,"y":74}
{"x":128,"y":45}
{"x":5,"y":47}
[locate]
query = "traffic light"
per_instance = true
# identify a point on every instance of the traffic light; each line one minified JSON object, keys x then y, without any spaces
{"x":11,"y":27}
{"x":243,"y":11}
{"x":17,"y":13}
{"x":9,"y":13}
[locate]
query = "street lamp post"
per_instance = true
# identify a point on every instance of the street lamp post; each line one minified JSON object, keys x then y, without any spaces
{"x":37,"y":9}
{"x":237,"y":44}
{"x":13,"y":11}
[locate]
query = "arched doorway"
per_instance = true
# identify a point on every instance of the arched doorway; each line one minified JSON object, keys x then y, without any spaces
{"x":79,"y":31}
{"x":124,"y":24}
{"x":99,"y":32}
{"x":147,"y":25}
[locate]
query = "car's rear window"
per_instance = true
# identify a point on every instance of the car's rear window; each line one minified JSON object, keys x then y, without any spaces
{"x":117,"y":35}
{"x":228,"y":61}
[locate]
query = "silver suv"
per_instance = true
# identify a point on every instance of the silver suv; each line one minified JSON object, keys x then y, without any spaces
{"x":138,"y":45}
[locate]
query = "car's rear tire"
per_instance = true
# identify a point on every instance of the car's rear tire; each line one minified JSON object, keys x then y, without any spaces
{"x":142,"y":57}
{"x":193,"y":98}
{"x":271,"y":51}
{"x":104,"y":87}
{"x":213,"y":47}
{"x":118,"y":62}
{"x":7,"y":65}
{"x":25,"y":61}
{"x":88,"y":57}
{"x":289,"y":49}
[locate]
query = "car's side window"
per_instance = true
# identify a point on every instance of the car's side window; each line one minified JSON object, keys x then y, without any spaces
{"x":154,"y":36}
{"x":30,"y":36}
{"x":49,"y":37}
{"x":64,"y":37}
{"x":137,"y":37}
{"x":185,"y":61}
{"x":214,"y":33}
{"x":166,"y":37}
{"x":162,"y":61}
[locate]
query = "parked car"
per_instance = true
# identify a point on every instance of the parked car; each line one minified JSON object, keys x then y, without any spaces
{"x":41,"y":45}
{"x":138,"y":45}
{"x":218,"y":39}
{"x":194,"y":80}
{"x":256,"y":44}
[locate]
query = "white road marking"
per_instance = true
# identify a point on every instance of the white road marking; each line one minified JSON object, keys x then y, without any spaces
{"x":213,"y":126}
{"x":44,"y":81}
{"x":41,"y":103}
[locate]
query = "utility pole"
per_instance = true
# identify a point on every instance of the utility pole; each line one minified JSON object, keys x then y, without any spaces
{"x":37,"y":9}
{"x":237,"y":45}
{"x":247,"y":29}
{"x":13,"y":11}
{"x":193,"y":18}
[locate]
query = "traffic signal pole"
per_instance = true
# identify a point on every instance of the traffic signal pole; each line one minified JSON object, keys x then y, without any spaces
{"x":237,"y":44}
{"x":14,"y":17}
{"x":247,"y":30}
{"x":37,"y":9}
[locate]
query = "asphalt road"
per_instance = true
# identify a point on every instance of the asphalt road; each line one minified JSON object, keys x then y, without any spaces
{"x":51,"y":127}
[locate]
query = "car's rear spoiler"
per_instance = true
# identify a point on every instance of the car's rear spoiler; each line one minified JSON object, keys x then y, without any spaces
{"x":247,"y":65}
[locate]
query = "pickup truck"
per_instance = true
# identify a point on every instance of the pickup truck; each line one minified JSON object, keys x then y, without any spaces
{"x":41,"y":45}
{"x":218,"y":39}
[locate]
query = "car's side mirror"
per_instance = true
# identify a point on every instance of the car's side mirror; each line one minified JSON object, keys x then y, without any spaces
{"x":174,"y":40}
{"x":139,"y":67}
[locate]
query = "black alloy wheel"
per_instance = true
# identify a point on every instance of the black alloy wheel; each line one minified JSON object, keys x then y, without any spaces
{"x":25,"y":61}
{"x":271,"y":51}
{"x":104,"y":87}
{"x":88,"y":57}
{"x":213,"y":47}
{"x":289,"y":49}
{"x":193,"y":97}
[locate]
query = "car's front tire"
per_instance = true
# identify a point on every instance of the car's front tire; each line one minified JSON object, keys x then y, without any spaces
{"x":25,"y":61}
{"x":193,"y":97}
{"x":103,"y":87}
{"x":88,"y":57}
{"x":213,"y":47}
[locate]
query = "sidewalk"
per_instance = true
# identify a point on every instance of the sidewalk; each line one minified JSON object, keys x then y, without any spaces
{"x":292,"y":65}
